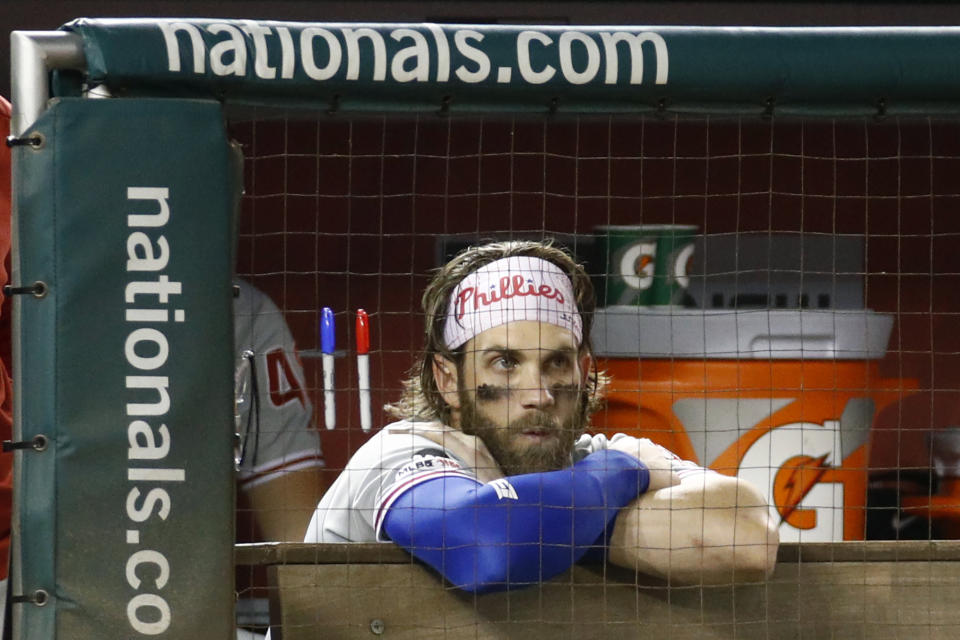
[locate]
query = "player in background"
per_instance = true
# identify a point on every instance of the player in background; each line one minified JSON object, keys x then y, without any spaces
{"x":489,"y":476}
{"x":278,"y":451}
{"x":279,"y":458}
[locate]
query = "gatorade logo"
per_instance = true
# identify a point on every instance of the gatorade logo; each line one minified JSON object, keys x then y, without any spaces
{"x":807,"y":508}
{"x":681,"y":265}
{"x":637,"y":265}
{"x":642,"y":264}
{"x":794,"y":480}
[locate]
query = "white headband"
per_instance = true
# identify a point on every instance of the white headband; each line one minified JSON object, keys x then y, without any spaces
{"x":511,"y":289}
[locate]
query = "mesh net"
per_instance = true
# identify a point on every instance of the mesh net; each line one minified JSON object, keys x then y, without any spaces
{"x":851,"y":222}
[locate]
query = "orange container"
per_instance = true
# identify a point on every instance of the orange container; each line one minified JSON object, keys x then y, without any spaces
{"x":776,"y":401}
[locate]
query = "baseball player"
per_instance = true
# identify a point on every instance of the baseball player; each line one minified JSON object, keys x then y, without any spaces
{"x":278,"y":449}
{"x":489,"y":477}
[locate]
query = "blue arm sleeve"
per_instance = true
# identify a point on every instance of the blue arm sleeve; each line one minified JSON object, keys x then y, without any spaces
{"x":484,"y":539}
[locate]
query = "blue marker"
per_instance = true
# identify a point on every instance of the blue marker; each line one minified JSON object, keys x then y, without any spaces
{"x":328,"y":343}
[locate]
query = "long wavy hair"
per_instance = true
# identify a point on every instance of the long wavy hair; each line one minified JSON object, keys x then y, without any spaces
{"x":421,"y":399}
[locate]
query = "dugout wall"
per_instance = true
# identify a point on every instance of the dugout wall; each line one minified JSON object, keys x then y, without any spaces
{"x":374,"y":142}
{"x":125,"y":496}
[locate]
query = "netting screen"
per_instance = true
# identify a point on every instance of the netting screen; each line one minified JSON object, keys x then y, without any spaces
{"x":726,"y":254}
{"x":808,"y":343}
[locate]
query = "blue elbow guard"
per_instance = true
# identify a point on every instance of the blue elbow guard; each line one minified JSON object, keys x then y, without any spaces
{"x":489,"y":537}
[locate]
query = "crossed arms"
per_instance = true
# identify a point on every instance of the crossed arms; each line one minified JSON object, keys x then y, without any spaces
{"x":707,"y":529}
{"x":690,"y":527}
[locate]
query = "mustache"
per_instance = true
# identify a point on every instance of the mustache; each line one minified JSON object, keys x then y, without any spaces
{"x":536,"y":419}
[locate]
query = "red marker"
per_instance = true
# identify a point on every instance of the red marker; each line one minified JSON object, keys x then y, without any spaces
{"x":363,"y":367}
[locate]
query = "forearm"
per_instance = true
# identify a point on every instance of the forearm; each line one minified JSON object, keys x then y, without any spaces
{"x":282,"y":507}
{"x":709,"y":529}
{"x":488,"y":537}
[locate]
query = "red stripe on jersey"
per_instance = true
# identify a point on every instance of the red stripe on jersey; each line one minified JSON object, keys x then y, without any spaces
{"x":286,"y":464}
{"x":389,"y":500}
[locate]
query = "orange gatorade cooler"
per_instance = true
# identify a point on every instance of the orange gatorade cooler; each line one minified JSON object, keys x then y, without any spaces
{"x":782,"y":398}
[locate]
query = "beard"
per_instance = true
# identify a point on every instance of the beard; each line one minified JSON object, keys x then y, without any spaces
{"x":515,"y":456}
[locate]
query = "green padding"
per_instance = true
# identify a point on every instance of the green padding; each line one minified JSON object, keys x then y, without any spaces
{"x":509,"y":68}
{"x":129,"y":541}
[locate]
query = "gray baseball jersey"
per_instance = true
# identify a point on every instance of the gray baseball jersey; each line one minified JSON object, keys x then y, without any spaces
{"x":404,"y":454}
{"x":274,"y":414}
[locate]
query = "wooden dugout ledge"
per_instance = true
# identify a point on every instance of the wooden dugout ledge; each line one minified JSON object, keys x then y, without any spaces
{"x":874,"y":589}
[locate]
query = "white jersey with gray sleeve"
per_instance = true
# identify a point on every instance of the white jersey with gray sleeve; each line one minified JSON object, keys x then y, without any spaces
{"x":404,"y":454}
{"x":274,"y":413}
{"x":399,"y":457}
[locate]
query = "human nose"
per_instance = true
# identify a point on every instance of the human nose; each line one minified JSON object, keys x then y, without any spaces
{"x":533,"y":390}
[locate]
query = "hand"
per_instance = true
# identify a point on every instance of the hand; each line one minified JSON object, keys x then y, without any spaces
{"x":657,"y":459}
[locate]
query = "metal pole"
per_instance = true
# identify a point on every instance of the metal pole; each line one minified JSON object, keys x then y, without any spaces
{"x":33,"y":54}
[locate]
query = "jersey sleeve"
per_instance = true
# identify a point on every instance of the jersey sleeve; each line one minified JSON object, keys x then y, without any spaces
{"x":427,"y":462}
{"x":391,"y":462}
{"x":599,"y":442}
{"x":517,"y":530}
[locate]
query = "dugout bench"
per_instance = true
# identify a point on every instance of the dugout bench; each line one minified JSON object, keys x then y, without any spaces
{"x":874,"y":589}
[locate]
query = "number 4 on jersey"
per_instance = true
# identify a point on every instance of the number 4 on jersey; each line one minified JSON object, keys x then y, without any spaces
{"x":285,"y":386}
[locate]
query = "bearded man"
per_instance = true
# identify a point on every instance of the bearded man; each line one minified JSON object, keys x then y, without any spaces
{"x":489,"y":476}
